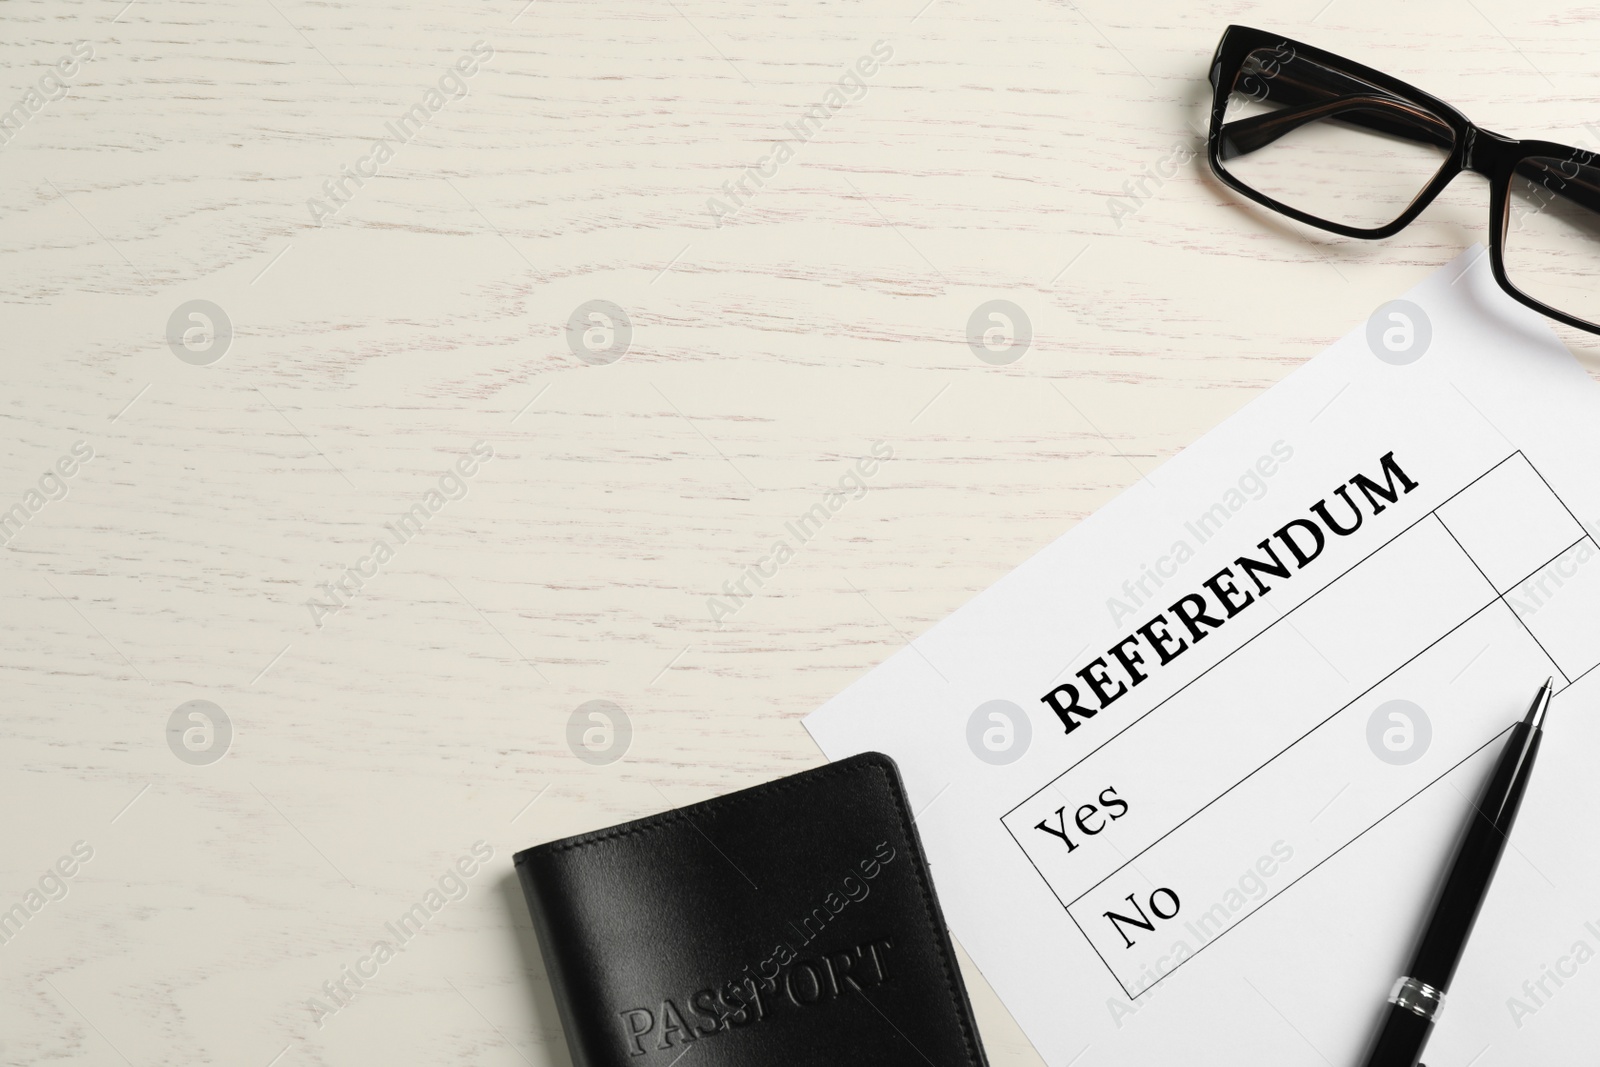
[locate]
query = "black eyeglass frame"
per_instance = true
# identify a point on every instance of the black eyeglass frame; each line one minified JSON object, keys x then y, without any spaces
{"x":1493,"y":155}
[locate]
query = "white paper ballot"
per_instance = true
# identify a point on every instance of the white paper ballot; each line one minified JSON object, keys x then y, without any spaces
{"x":1189,"y":776}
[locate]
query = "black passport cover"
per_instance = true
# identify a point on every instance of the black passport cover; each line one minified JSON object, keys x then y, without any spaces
{"x":791,"y":923}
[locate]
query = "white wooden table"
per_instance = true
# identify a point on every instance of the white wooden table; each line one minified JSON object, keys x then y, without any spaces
{"x":377,"y":735}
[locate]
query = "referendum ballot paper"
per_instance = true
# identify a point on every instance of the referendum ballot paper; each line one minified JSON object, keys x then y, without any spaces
{"x":1188,"y":777}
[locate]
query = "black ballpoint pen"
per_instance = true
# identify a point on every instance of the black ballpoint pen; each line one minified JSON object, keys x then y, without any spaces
{"x":1419,"y":993}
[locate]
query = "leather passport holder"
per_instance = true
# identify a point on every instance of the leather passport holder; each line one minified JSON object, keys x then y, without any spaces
{"x":790,"y":923}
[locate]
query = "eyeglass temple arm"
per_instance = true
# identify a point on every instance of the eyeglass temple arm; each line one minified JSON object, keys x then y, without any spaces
{"x":1582,"y":188}
{"x":1301,"y":81}
{"x":1394,"y":116}
{"x":1384,"y":114}
{"x":1314,"y":87}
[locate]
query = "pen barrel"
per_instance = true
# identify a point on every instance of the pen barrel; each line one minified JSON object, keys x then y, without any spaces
{"x":1477,"y":855}
{"x":1399,"y":1040}
{"x":1419,"y":994}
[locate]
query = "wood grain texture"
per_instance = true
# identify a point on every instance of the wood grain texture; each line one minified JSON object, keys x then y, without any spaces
{"x":429,"y":313}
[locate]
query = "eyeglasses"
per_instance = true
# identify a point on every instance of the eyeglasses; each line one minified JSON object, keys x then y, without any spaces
{"x":1344,"y":148}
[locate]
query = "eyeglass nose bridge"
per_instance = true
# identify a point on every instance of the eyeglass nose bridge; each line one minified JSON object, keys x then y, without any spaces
{"x":1486,"y":150}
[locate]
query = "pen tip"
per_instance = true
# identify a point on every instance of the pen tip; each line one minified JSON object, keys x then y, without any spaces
{"x":1541,"y":702}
